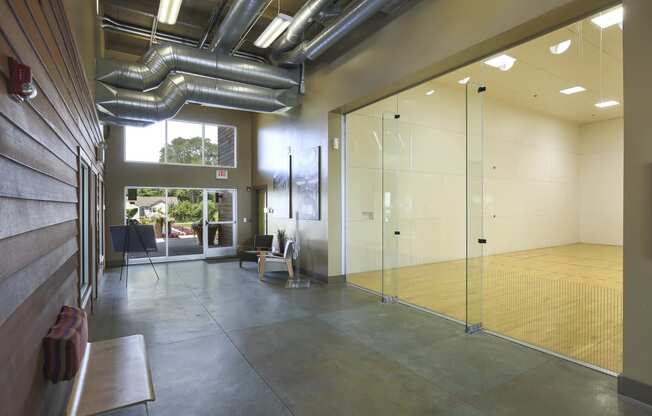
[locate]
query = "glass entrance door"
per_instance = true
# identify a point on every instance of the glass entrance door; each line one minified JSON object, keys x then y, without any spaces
{"x":220,"y":222}
{"x":393,"y":150}
{"x":475,"y":238}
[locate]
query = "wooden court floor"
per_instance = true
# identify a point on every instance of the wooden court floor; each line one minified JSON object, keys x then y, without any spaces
{"x":567,"y":299}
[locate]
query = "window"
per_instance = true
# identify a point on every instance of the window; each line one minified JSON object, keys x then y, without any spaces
{"x":84,"y":230}
{"x":182,"y":142}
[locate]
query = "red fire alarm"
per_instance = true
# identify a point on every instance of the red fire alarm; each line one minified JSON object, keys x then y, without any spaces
{"x":21,"y":86}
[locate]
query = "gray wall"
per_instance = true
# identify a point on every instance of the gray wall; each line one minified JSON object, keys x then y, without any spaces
{"x":429,"y":39}
{"x":120,"y":174}
{"x":637,"y":365}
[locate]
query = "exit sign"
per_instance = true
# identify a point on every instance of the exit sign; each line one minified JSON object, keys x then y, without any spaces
{"x":222,"y":174}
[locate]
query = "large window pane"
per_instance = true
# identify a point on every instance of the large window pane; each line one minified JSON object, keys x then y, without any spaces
{"x":184,"y":144}
{"x":145,"y":144}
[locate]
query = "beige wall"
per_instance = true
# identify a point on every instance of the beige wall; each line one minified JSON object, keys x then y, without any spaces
{"x":638,"y":195}
{"x":428,"y":39}
{"x":531,"y":179}
{"x":601,"y":182}
{"x":121,"y":174}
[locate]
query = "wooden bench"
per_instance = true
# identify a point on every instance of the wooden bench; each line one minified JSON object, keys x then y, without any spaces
{"x":114,"y":374}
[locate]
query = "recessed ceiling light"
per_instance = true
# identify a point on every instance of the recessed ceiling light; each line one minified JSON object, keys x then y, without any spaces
{"x":168,"y":11}
{"x":275,"y":28}
{"x":463,"y":81}
{"x":430,"y":92}
{"x":573,"y":90}
{"x":610,"y":18}
{"x":561,"y":47}
{"x":502,"y":62}
{"x":607,"y":103}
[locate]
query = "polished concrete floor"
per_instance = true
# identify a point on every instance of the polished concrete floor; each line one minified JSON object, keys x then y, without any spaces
{"x":222,"y":343}
{"x":567,"y":299}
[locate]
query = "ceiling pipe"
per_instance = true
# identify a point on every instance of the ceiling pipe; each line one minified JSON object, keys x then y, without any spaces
{"x":352,"y":17}
{"x":164,"y":102}
{"x":300,"y":22}
{"x":160,"y":60}
{"x":237,"y":21}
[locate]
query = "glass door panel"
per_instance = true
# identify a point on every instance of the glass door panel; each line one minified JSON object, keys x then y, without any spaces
{"x":393,"y":152}
{"x":474,"y":207}
{"x":147,"y":206}
{"x":185,"y":222}
{"x":220,"y":225}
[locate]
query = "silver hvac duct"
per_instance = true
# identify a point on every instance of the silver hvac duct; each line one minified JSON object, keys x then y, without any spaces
{"x":160,"y":60}
{"x":122,"y":121}
{"x":352,"y":17}
{"x":240,"y":17}
{"x":302,"y":19}
{"x":165,"y":101}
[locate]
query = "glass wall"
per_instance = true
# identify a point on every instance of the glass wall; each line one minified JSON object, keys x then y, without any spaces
{"x":499,"y":204}
{"x":406,"y":215}
{"x":182,"y":218}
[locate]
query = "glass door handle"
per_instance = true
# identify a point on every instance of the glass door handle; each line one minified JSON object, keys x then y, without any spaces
{"x":482,"y":241}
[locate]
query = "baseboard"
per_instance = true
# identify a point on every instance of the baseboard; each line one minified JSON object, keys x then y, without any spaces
{"x":337,"y":279}
{"x":635,"y":389}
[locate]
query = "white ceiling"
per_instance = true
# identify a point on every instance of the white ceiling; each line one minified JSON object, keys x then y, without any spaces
{"x":537,"y":77}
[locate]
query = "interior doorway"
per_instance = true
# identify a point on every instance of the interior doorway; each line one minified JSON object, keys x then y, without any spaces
{"x":189,"y":223}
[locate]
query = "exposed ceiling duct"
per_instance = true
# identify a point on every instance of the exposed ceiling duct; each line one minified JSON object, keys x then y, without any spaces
{"x":165,"y":101}
{"x":169,"y":76}
{"x":122,"y":121}
{"x":352,"y":17}
{"x":294,"y":33}
{"x":240,"y":17}
{"x":160,"y":60}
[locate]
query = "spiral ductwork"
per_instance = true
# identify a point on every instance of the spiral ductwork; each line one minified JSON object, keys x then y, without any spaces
{"x":352,"y":17}
{"x":160,"y":60}
{"x":300,"y":22}
{"x":105,"y":118}
{"x":240,"y":17}
{"x":165,"y":101}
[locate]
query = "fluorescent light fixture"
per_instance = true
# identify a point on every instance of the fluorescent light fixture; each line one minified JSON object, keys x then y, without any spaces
{"x":607,"y":103}
{"x":276,"y":27}
{"x":168,"y":11}
{"x":573,"y":90}
{"x":561,"y":47}
{"x":610,"y":18}
{"x":430,"y":92}
{"x":464,"y":81}
{"x":502,"y":62}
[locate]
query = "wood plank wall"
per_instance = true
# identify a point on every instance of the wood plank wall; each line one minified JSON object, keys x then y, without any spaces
{"x":40,"y":143}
